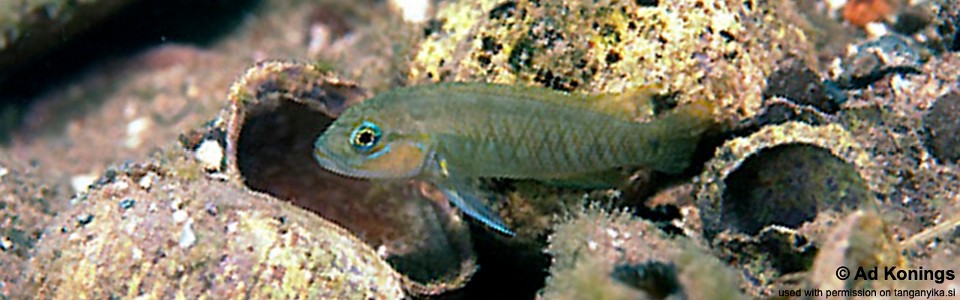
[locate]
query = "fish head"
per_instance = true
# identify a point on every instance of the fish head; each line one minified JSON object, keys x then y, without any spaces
{"x":364,"y":144}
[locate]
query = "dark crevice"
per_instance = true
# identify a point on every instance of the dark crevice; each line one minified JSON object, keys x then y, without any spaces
{"x":862,"y":82}
{"x":658,"y":280}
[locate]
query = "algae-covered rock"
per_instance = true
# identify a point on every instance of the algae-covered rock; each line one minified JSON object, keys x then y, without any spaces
{"x":784,"y":175}
{"x":764,"y":199}
{"x":148,"y":232}
{"x":598,"y":254}
{"x":716,"y":50}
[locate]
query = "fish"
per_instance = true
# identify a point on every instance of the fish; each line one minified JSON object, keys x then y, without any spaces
{"x":453,"y":134}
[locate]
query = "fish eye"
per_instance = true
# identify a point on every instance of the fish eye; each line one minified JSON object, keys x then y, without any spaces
{"x":365,"y":136}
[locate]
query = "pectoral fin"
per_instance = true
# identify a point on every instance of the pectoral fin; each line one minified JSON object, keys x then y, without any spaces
{"x":468,"y":199}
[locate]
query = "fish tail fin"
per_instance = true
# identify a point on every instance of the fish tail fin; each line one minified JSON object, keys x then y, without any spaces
{"x":697,"y":115}
{"x":679,"y":132}
{"x":631,"y":104}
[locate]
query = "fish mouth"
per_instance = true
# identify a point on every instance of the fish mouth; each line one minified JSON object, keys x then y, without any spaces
{"x":335,"y":164}
{"x":330,"y":163}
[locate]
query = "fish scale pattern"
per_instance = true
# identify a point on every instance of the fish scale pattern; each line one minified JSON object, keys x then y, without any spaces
{"x":535,"y":140}
{"x":483,"y":130}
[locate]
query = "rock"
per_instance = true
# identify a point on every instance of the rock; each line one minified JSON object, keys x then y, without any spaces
{"x":716,"y":50}
{"x":30,"y":29}
{"x":872,"y":60}
{"x":801,"y":85}
{"x":254,"y":246}
{"x":599,"y":254}
{"x":944,"y":132}
{"x":745,"y":187}
{"x":27,"y":202}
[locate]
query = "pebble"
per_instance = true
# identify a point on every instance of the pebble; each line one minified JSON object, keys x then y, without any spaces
{"x":137,"y":253}
{"x":6,"y":244}
{"x":414,"y":11}
{"x":130,"y":227}
{"x":876,"y":30}
{"x":127,"y":203}
{"x":210,"y":154}
{"x":84,"y":219}
{"x":146,"y":182}
{"x":232,"y":227}
{"x":873,"y":60}
{"x":81,"y":183}
{"x":211,"y":209}
{"x":135,"y":130}
{"x":187,"y":237}
{"x":180,"y":216}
